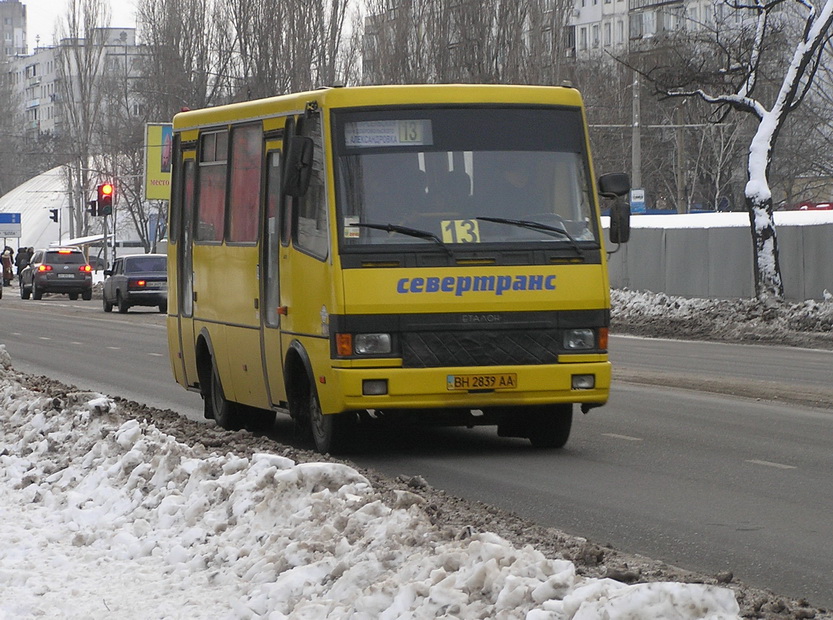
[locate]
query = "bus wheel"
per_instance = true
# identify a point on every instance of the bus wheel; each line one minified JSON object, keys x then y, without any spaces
{"x":549,"y":426}
{"x":225,"y":412}
{"x":331,"y":433}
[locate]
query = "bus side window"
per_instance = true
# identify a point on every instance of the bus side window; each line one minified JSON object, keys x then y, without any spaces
{"x":311,"y":232}
{"x":212,"y":186}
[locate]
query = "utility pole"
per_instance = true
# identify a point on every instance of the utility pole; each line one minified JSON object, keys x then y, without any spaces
{"x":682,"y":199}
{"x":636,"y":142}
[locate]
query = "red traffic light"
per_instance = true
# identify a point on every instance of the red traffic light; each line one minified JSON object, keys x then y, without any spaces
{"x":105,"y":199}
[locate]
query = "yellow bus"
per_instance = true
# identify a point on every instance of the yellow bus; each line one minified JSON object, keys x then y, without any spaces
{"x":432,"y":251}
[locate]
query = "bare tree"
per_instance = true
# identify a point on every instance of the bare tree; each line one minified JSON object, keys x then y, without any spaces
{"x":189,"y":55}
{"x":79,"y":67}
{"x":743,"y":61}
{"x":282,"y":46}
{"x":491,"y":41}
{"x":207,"y":52}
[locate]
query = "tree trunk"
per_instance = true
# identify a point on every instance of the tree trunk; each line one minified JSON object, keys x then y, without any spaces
{"x":767,"y":269}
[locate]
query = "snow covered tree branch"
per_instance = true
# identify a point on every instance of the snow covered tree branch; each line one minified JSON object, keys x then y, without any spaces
{"x":745,"y":65}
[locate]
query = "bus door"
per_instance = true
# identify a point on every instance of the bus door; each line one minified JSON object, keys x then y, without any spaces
{"x":270,"y":278}
{"x":185,"y":274}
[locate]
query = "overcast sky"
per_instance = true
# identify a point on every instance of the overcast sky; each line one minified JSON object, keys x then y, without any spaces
{"x":43,"y":14}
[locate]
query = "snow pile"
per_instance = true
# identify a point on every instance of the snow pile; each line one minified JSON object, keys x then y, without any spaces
{"x":110,"y":517}
{"x":808,"y":323}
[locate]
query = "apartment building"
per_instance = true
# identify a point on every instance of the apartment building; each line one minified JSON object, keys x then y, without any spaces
{"x":12,"y":28}
{"x":36,"y":78}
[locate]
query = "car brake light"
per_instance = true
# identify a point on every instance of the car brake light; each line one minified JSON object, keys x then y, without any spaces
{"x":85,"y":268}
{"x":44,"y":267}
{"x":64,"y":251}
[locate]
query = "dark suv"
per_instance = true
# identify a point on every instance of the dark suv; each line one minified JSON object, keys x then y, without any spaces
{"x":57,"y":270}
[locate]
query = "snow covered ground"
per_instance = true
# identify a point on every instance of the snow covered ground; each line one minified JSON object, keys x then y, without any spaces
{"x":108,"y":516}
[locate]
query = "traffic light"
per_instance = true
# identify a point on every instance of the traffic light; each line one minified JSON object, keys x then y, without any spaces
{"x":53,"y":215}
{"x":105,"y":199}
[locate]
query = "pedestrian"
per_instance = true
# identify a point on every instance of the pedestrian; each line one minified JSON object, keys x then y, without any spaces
{"x":8,"y":266}
{"x":21,"y":262}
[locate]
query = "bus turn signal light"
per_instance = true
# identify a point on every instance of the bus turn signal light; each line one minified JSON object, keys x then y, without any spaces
{"x":344,"y":344}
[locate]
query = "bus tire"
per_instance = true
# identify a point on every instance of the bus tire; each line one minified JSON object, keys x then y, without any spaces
{"x":549,"y":426}
{"x":225,"y":412}
{"x":331,"y":433}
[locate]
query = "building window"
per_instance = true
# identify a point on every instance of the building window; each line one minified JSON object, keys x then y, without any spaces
{"x":636,"y":25}
{"x":582,"y":38}
{"x":607,"y":40}
{"x":649,"y":23}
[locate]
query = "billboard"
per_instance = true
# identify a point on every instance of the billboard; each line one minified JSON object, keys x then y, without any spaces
{"x":158,"y":157}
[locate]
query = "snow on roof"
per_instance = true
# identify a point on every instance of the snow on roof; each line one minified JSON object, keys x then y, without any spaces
{"x":80,"y":241}
{"x":33,"y":200}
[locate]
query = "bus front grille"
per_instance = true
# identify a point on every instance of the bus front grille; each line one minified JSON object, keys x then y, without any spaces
{"x":479,"y":348}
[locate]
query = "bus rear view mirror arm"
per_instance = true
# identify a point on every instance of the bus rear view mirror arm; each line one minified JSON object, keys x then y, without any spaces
{"x":298,"y":166}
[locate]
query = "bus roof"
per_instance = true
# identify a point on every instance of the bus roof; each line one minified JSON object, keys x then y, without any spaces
{"x":361,"y":96}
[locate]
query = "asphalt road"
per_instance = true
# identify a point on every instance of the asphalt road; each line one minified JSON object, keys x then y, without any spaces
{"x":704,"y":480}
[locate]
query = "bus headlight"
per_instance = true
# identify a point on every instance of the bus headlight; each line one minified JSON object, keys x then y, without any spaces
{"x":372,"y":344}
{"x":579,"y":339}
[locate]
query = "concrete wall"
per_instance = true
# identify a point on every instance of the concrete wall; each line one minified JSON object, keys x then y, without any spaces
{"x":710,"y":255}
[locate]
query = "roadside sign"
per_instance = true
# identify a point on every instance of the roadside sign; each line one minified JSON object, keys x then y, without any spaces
{"x":9,"y":224}
{"x":637,"y":201}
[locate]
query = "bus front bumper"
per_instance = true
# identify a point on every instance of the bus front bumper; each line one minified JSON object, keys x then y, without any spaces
{"x":469,"y":387}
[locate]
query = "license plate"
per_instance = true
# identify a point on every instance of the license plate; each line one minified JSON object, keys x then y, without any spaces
{"x":500,"y":381}
{"x":155,"y":285}
{"x":66,"y":275}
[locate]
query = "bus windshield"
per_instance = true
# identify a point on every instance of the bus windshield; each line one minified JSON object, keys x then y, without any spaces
{"x":491,"y":175}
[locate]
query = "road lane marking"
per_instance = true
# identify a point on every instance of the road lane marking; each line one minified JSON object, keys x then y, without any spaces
{"x":770,"y":464}
{"x":115,"y":348}
{"x":625,"y":437}
{"x":156,"y":354}
{"x":44,"y":337}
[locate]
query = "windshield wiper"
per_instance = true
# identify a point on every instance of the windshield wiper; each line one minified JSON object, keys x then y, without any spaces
{"x":544,"y":228}
{"x":404,"y":230}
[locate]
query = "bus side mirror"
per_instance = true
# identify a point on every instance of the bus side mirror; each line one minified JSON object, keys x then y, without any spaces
{"x":616,"y":185}
{"x":298,"y":166}
{"x":620,"y":221}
